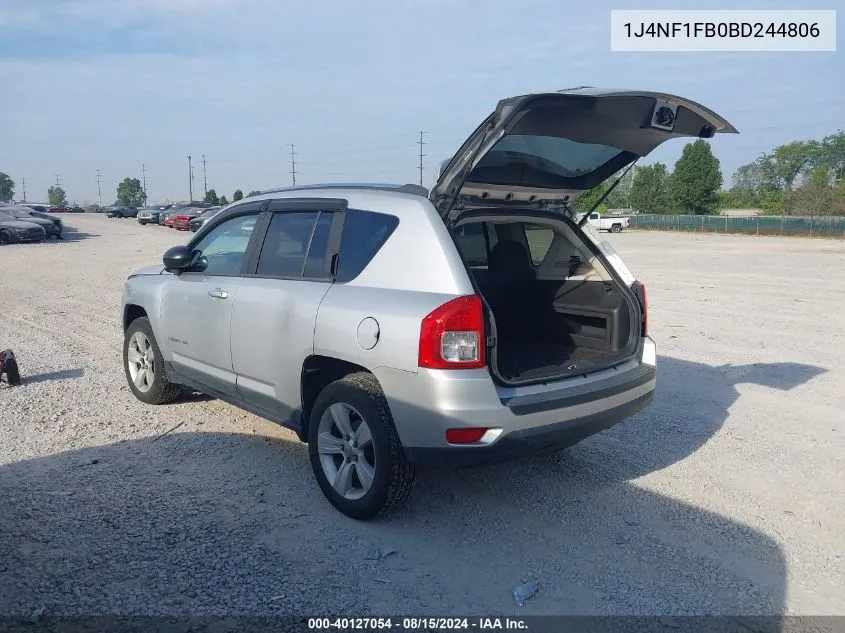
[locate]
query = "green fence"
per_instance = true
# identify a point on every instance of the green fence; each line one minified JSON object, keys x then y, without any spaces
{"x":748,"y":225}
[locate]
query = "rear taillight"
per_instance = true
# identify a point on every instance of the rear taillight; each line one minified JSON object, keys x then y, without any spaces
{"x":641,"y":294}
{"x":452,"y":336}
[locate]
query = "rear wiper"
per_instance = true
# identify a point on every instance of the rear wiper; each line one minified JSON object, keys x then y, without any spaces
{"x":465,"y":172}
{"x":610,"y":189}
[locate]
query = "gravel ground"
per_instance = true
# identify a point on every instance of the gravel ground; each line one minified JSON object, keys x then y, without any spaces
{"x":724,"y":497}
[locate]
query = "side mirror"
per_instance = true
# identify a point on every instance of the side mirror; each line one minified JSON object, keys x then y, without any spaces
{"x":178,"y":259}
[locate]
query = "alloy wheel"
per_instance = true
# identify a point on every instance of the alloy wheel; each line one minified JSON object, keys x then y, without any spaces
{"x":140,"y":359}
{"x":345,"y":446}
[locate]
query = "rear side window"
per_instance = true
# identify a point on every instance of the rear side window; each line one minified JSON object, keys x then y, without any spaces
{"x":539,"y":240}
{"x":364,"y":233}
{"x":475,"y":240}
{"x":286,"y":244}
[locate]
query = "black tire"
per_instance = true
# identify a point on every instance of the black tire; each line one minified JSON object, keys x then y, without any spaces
{"x":161,"y":390}
{"x":5,"y":237}
{"x":394,"y":473}
{"x":616,"y":228}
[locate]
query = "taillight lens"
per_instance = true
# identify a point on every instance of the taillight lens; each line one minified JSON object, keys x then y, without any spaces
{"x":465,"y":436}
{"x":644,"y":305}
{"x":452,"y":336}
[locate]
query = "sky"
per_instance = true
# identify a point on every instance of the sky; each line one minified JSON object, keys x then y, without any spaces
{"x":132,"y":87}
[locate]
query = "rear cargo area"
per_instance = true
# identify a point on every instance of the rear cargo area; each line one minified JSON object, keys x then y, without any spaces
{"x":557,"y":311}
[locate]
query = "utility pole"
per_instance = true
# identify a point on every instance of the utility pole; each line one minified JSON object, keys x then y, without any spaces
{"x":99,"y":191}
{"x":293,"y":164}
{"x":57,"y":181}
{"x":144,"y":180}
{"x":421,"y":143}
{"x":23,"y":186}
{"x":204,"y":177}
{"x":190,"y":180}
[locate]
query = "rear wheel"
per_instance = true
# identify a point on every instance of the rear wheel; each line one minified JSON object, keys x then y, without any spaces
{"x":355,"y":452}
{"x":144,"y":365}
{"x":616,"y":228}
{"x":5,"y":237}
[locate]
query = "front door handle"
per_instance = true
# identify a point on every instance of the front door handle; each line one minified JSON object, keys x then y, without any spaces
{"x":217,"y":293}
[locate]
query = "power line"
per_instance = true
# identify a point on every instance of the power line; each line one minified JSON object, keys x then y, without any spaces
{"x":421,"y":143}
{"x":204,"y":176}
{"x":190,"y":180}
{"x":292,"y":164}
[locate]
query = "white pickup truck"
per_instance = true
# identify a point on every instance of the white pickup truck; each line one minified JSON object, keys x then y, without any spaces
{"x":612,"y":223}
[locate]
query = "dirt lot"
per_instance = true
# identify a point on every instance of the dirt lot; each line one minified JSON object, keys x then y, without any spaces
{"x":725,"y":496}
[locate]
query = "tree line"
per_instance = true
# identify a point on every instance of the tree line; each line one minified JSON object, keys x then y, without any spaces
{"x":130,"y":193}
{"x":798,"y":178}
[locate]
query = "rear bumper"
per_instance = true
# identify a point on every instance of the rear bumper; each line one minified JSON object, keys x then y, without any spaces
{"x":534,"y":441}
{"x":522,"y":420}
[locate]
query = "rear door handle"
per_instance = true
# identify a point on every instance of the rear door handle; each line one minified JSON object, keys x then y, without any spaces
{"x":217,"y":293}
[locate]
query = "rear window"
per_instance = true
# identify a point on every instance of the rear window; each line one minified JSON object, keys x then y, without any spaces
{"x":364,"y":233}
{"x":561,"y":156}
{"x":549,"y":162}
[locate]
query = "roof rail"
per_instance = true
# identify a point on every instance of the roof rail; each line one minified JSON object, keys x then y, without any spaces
{"x":408,"y":188}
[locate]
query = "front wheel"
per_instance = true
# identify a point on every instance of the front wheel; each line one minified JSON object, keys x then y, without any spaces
{"x":5,"y":237}
{"x":355,"y":451}
{"x":144,"y":365}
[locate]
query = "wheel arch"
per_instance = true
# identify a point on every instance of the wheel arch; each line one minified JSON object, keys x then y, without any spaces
{"x":318,"y":372}
{"x":132,"y":311}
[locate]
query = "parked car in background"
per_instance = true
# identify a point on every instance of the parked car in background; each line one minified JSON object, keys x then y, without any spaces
{"x":13,"y":230}
{"x":181,"y":220}
{"x":76,"y":209}
{"x":150,"y":215}
{"x":198,"y":222}
{"x":57,"y":209}
{"x":182,"y":206}
{"x":52,"y":226}
{"x":612,"y":223}
{"x":37,"y":206}
{"x":121,"y":212}
{"x":40,"y":212}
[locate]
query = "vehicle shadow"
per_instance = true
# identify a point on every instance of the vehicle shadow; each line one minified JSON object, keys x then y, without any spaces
{"x":226,"y":523}
{"x":70,"y":234}
{"x":690,"y":405}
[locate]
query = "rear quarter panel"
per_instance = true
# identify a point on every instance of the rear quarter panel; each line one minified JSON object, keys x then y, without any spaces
{"x":416,"y":270}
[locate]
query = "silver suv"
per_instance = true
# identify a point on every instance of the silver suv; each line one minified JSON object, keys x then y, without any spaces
{"x":390,"y":327}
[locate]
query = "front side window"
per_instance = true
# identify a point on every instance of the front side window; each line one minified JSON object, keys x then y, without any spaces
{"x":222,"y":250}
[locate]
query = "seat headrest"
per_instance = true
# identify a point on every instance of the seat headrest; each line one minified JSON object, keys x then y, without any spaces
{"x":510,"y":262}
